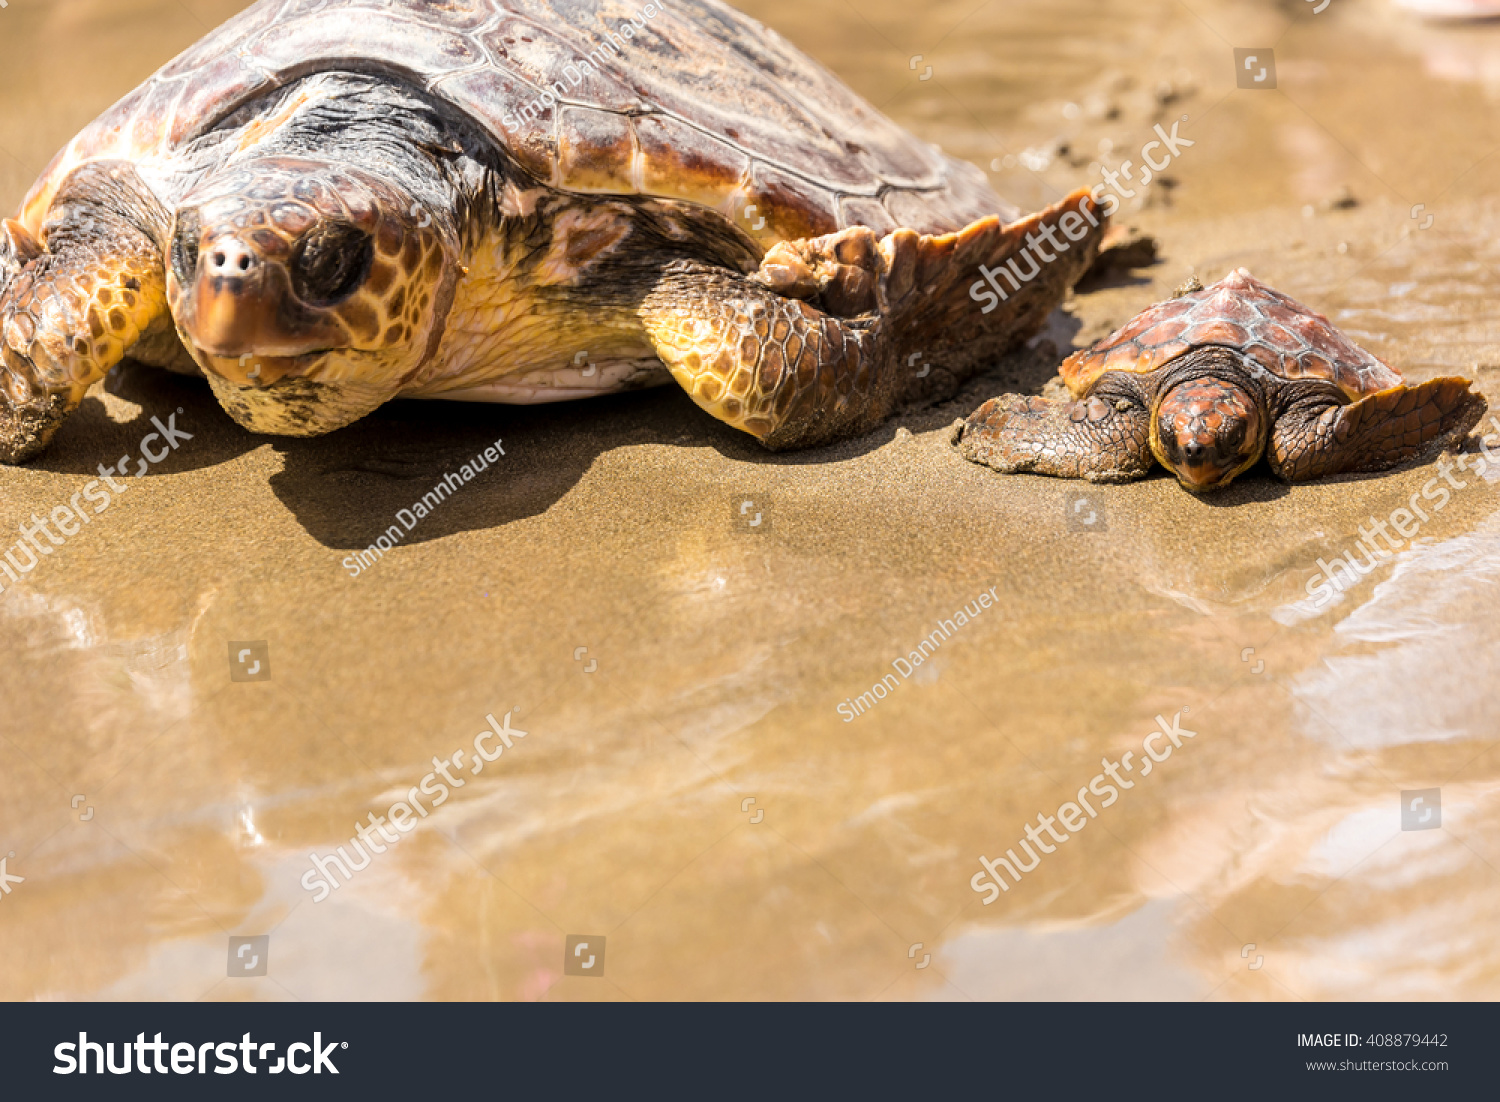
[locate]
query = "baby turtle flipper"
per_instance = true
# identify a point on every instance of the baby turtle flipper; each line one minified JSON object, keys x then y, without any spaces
{"x":73,"y":303}
{"x":1313,"y":439}
{"x":1090,"y":438}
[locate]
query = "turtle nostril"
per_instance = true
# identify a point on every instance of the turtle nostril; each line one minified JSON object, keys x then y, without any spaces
{"x":1192,"y":452}
{"x":231,"y":258}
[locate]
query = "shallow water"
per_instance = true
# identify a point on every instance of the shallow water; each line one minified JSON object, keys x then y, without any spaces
{"x":1265,"y":859}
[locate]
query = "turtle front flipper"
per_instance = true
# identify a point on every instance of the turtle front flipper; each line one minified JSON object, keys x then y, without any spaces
{"x":75,"y":301}
{"x":834,"y":334}
{"x":1093,"y":438}
{"x":1316,"y":437}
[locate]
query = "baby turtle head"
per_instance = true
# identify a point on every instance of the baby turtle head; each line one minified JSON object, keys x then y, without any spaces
{"x":1206,"y":431}
{"x":309,"y":292}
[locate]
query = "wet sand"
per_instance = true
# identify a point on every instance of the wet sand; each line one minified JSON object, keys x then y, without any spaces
{"x":718,"y":653}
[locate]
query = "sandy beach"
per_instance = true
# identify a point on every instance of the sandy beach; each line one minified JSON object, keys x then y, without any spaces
{"x":687,"y":787}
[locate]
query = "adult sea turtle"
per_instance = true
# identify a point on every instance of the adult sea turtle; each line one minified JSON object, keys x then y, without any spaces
{"x":1208,"y":382}
{"x":327,"y":204}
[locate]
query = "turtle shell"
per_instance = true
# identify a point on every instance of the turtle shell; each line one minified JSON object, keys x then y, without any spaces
{"x":687,"y":100}
{"x":1242,"y":313}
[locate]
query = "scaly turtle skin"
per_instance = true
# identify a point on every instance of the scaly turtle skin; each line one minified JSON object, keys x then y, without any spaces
{"x":1208,"y":382}
{"x":327,"y":204}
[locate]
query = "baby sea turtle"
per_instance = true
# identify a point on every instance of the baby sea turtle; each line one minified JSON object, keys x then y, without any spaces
{"x":327,"y":204}
{"x":1208,"y":382}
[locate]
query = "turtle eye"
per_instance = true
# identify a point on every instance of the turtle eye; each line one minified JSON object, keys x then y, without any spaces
{"x":185,"y":247}
{"x":331,"y":263}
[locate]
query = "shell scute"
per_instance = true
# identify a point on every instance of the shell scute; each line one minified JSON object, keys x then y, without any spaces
{"x":1268,"y":358}
{"x":921,"y":212}
{"x":224,"y":39}
{"x":1325,"y":342}
{"x":1164,"y":331}
{"x":371,"y":39}
{"x":1239,"y":312}
{"x":530,"y":142}
{"x":1213,"y":330}
{"x":595,"y":151}
{"x":225,"y":76}
{"x":1315,"y":366}
{"x":1236,"y":310}
{"x":1122,"y":357}
{"x":1170,"y":350}
{"x":1280,"y":339}
{"x":153,"y":116}
{"x":545,"y":63}
{"x":1137,"y":326}
{"x":792,"y":206}
{"x":859,"y":211}
{"x":680,"y":161}
{"x":466,"y":15}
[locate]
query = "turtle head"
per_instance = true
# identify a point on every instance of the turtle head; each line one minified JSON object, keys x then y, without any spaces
{"x":309,"y":292}
{"x":1206,"y":431}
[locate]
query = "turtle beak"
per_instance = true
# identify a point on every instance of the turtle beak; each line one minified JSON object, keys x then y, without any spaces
{"x":234,"y":305}
{"x":1203,"y":478}
{"x":232,"y":299}
{"x":1201,"y":469}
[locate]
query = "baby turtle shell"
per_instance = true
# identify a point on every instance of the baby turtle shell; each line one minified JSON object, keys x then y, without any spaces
{"x":1241,"y":313}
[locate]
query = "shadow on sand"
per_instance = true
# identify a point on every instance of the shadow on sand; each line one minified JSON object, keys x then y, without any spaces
{"x":347,"y":487}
